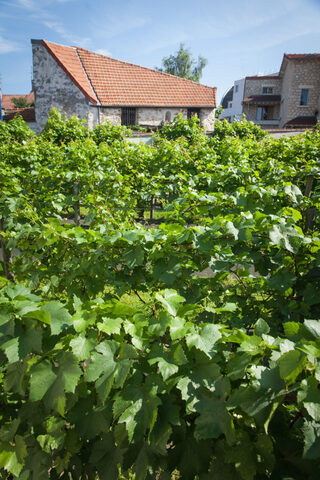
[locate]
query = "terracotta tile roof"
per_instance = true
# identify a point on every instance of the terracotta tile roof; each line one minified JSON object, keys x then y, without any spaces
{"x":28,"y":114}
{"x":7,"y":103}
{"x":118,"y":83}
{"x":262,"y":99}
{"x":69,"y":61}
{"x":301,"y":56}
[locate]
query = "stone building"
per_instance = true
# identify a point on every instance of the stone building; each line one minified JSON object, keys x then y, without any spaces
{"x":9,"y":109}
{"x":99,"y":88}
{"x":288,"y":99}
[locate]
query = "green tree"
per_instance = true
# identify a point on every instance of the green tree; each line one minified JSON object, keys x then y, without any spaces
{"x":21,"y":102}
{"x":183,"y":65}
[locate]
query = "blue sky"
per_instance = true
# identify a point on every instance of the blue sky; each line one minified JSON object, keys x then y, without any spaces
{"x":238,"y":37}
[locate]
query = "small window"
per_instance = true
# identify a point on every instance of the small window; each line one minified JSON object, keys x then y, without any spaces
{"x":304,"y":97}
{"x":229,"y":104}
{"x":236,"y":88}
{"x":267,"y":90}
{"x":128,"y":116}
{"x":193,"y":111}
{"x":168,"y":117}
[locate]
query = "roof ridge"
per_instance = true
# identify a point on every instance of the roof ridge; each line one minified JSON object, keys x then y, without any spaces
{"x":145,"y":68}
{"x":97,"y":98}
{"x":288,"y":55}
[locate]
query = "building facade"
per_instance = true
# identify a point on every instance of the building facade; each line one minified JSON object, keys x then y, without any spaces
{"x":287,"y":99}
{"x":232,"y":102}
{"x":99,"y":88}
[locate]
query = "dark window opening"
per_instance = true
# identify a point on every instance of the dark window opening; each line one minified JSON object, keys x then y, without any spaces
{"x":265,"y":113}
{"x":193,"y":111}
{"x":128,"y":116}
{"x":267,"y":90}
{"x":304,"y":97}
{"x":168,"y":117}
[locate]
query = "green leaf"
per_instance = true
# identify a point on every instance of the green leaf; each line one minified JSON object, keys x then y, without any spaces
{"x":282,"y":236}
{"x":168,"y":415}
{"x":110,"y":325}
{"x":242,"y":456}
{"x":206,"y":340}
{"x":230,"y":228}
{"x":82,"y":320}
{"x":59,"y":316}
{"x":158,"y":326}
{"x":170,"y":300}
{"x":313,"y":327}
{"x":201,"y":375}
{"x":82,"y":346}
{"x":311,"y":434}
{"x":41,"y":379}
{"x":16,"y":378}
{"x":261,"y":327}
{"x":30,"y":341}
{"x":291,"y":364}
{"x":141,"y":413}
{"x":105,"y":457}
{"x":9,"y":460}
{"x":103,"y":361}
{"x":69,"y":371}
{"x":214,"y":420}
{"x":309,"y":396}
{"x":177,"y":328}
{"x":134,"y":257}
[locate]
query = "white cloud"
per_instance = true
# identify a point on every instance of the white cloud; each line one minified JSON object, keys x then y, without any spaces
{"x":28,"y":4}
{"x":104,"y":51}
{"x":33,"y":5}
{"x":110,"y":26}
{"x":7,"y":46}
{"x":59,"y":28}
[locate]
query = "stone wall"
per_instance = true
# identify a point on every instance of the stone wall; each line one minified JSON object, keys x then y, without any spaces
{"x":254,"y":86}
{"x":53,"y":88}
{"x":207,"y":118}
{"x":298,"y":75}
{"x":112,"y":115}
{"x":154,"y":117}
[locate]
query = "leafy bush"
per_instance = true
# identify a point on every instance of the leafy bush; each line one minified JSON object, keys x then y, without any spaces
{"x":60,"y":129}
{"x":242,"y":129}
{"x":15,"y":130}
{"x":179,"y":127}
{"x":109,"y":133}
{"x":188,"y":350}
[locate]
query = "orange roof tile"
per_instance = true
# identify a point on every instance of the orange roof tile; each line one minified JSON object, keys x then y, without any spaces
{"x":301,"y":56}
{"x":118,"y":83}
{"x":7,"y":103}
{"x":68,"y":59}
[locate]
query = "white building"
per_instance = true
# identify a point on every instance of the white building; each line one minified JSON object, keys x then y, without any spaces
{"x":232,"y":101}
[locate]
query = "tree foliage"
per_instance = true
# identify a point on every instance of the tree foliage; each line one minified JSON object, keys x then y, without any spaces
{"x":21,"y":102}
{"x":188,"y":349}
{"x":183,"y":65}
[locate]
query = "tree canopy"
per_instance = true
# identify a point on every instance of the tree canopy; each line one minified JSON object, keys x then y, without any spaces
{"x":183,"y":65}
{"x":21,"y":102}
